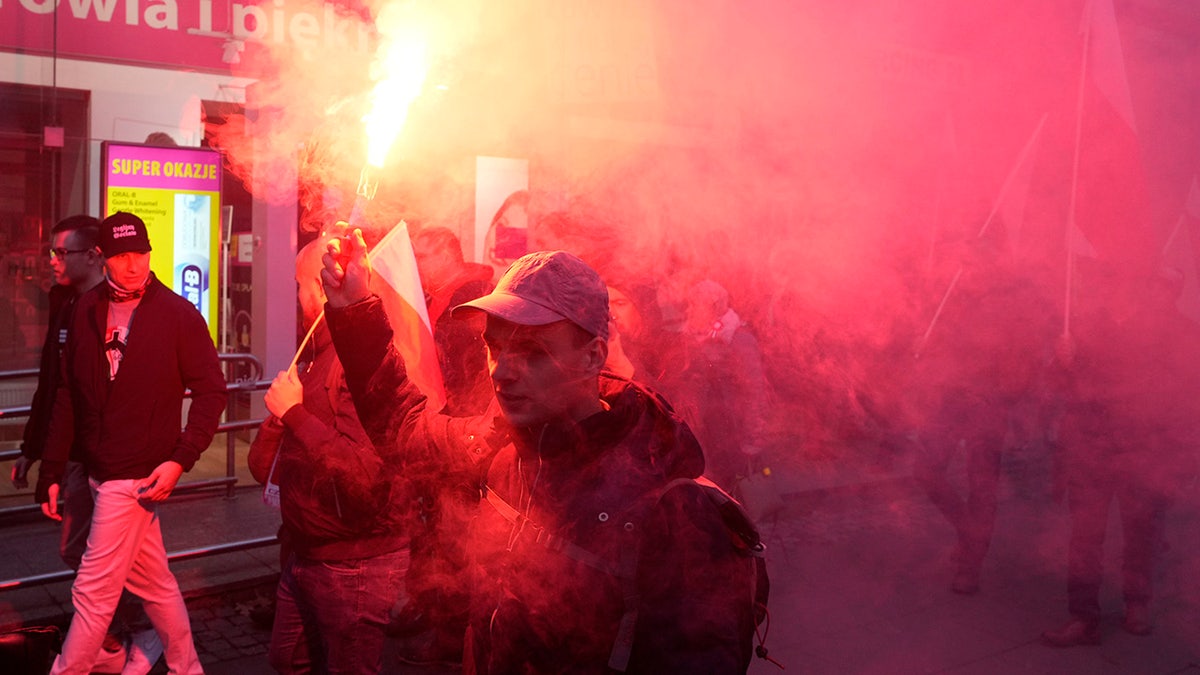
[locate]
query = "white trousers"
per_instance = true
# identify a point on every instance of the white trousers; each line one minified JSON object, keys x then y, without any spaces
{"x":125,"y":549}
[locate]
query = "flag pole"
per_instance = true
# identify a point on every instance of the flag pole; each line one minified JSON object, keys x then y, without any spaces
{"x":937,"y":313}
{"x":1086,"y":28}
{"x":1174,"y":233}
{"x":307,"y":336}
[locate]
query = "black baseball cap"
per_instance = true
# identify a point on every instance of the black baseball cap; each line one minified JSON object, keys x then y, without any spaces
{"x":123,"y":232}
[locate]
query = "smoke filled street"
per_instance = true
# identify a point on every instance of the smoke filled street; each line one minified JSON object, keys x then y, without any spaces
{"x":503,"y":292}
{"x":854,"y":589}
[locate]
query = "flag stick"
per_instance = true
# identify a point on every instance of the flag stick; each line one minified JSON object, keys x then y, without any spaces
{"x":1086,"y":28}
{"x":1004,"y":189}
{"x":938,"y":313}
{"x":307,"y":336}
{"x":1012,"y":175}
{"x":1174,"y":233}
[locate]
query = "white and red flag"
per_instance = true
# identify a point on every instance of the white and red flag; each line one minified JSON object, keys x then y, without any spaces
{"x":396,"y":282}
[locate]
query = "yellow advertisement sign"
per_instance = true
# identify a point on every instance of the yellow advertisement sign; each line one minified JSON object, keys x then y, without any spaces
{"x":177,"y":192}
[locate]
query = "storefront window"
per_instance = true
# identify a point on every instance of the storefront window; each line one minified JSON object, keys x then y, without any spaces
{"x":43,"y":178}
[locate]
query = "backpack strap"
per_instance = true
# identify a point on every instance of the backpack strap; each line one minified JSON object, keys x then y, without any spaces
{"x":624,"y":569}
{"x":734,"y":516}
{"x":554,"y":542}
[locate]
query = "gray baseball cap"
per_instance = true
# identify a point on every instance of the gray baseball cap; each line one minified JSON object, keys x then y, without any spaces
{"x":548,"y":286}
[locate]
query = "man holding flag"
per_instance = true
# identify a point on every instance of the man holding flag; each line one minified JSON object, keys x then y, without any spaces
{"x":594,"y":547}
{"x":343,"y":540}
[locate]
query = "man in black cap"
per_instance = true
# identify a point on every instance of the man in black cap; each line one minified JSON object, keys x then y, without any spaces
{"x":135,"y":348}
{"x":589,"y":513}
{"x":78,"y":267}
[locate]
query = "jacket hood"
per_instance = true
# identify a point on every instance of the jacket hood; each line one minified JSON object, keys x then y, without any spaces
{"x":674,"y":447}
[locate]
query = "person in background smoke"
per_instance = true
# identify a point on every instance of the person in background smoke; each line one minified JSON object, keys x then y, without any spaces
{"x":719,"y":386}
{"x":343,"y":510}
{"x":1132,"y":397}
{"x":438,"y":590}
{"x":639,"y":348}
{"x":585,"y":558}
{"x":576,"y":231}
{"x":507,"y":237}
{"x":984,"y":356}
{"x":161,"y":139}
{"x":134,"y":349}
{"x":449,"y":281}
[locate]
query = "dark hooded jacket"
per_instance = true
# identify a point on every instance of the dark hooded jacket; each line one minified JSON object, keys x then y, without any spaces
{"x":62,"y":308}
{"x":338,"y":501}
{"x":573,"y":521}
{"x":461,"y":356}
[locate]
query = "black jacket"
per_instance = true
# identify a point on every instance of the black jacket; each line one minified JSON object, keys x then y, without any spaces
{"x":582,"y":530}
{"x":338,"y":500}
{"x":461,"y":354}
{"x":126,"y":427}
{"x":62,"y":306}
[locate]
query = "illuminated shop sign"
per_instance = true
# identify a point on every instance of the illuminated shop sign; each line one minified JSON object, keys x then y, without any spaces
{"x":177,"y":191}
{"x":203,"y":35}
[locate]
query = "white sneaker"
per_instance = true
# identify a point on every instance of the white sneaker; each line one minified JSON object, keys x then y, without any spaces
{"x":144,"y":649}
{"x":110,"y":661}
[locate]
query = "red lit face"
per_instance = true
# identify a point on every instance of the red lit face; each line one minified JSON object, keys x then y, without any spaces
{"x":308,"y":279}
{"x":542,"y":373}
{"x":72,"y":267}
{"x":624,"y":314}
{"x":434,"y":266}
{"x":129,"y":270}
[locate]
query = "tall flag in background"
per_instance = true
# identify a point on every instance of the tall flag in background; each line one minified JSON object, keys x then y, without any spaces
{"x":1179,"y":254}
{"x":1014,"y":193}
{"x":396,"y":282}
{"x":1111,"y":212}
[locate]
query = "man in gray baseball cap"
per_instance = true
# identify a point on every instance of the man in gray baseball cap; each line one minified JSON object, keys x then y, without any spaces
{"x":595,"y":547}
{"x":547,"y":336}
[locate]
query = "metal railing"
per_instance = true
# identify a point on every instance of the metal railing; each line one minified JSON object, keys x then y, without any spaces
{"x":228,"y":481}
{"x":186,"y":554}
{"x":18,"y":374}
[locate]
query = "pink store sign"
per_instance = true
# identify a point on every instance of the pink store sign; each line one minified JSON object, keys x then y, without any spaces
{"x":207,"y":35}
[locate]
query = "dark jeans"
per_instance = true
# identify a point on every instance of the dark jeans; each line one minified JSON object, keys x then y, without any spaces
{"x":1090,"y":492}
{"x":76,"y":514}
{"x":438,"y":578}
{"x":330,"y":616}
{"x":976,"y":429}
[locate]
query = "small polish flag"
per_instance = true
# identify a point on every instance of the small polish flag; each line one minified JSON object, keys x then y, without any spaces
{"x":396,"y":282}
